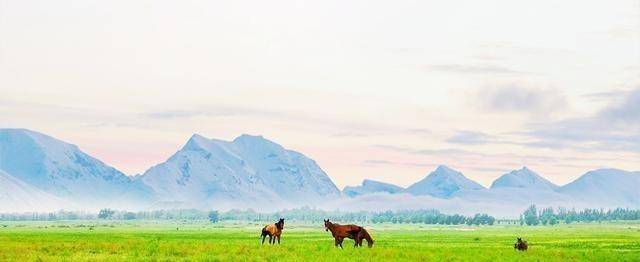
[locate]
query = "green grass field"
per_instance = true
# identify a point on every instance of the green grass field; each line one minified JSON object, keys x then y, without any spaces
{"x":196,"y":241}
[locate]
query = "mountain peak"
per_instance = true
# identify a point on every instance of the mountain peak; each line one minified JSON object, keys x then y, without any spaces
{"x":257,"y":144}
{"x":371,"y":186}
{"x":523,"y":178}
{"x":197,"y":136}
{"x":445,"y":169}
{"x":443,"y":182}
{"x":249,"y":137}
{"x":197,"y":142}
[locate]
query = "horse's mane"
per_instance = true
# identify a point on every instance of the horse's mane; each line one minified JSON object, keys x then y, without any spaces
{"x":279,"y":224}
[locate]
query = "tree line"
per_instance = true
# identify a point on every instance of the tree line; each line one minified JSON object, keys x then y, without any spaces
{"x":549,"y":216}
{"x":531,"y":216}
{"x":422,"y":216}
{"x":305,"y":214}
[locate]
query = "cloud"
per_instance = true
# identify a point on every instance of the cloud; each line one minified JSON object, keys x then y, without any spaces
{"x":608,"y":94}
{"x":470,"y":138}
{"x":517,"y":159}
{"x":429,"y":152}
{"x":614,"y":128}
{"x":520,"y":98}
{"x":472,"y":69}
{"x":342,"y":128}
{"x":372,"y":162}
{"x":218,"y":111}
{"x":378,"y":162}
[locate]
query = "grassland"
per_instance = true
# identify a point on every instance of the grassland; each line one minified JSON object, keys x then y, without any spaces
{"x":202,"y":241}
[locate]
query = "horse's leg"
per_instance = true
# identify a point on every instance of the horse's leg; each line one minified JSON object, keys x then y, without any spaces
{"x":263,"y":237}
{"x":336,"y":241}
{"x":341,"y":239}
{"x":279,"y":239}
{"x":270,"y":237}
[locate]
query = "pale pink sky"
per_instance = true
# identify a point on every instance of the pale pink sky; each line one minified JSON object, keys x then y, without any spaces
{"x":385,"y":90}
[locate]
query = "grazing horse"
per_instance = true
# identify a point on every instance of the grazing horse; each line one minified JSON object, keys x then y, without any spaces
{"x":340,"y":232}
{"x":274,"y":231}
{"x":521,"y":245}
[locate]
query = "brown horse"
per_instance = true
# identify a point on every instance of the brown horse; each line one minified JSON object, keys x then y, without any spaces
{"x":521,"y":245}
{"x":340,"y":232}
{"x":274,"y":231}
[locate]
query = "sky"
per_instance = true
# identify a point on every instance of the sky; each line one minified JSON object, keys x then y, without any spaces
{"x":384,"y":90}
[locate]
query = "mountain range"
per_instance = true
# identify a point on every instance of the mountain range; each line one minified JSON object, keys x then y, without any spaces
{"x":248,"y":171}
{"x":40,"y":173}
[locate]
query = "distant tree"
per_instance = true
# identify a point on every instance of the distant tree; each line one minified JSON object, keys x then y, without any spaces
{"x":129,"y":216}
{"x":105,"y":213}
{"x":214,"y":216}
{"x":531,"y":216}
{"x":546,"y":215}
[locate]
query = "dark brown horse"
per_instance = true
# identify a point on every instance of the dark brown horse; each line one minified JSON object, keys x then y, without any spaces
{"x":521,"y":245}
{"x":340,"y":232}
{"x":274,"y":231}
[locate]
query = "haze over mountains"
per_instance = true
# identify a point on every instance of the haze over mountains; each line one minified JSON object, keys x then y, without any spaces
{"x":370,"y":186}
{"x":41,"y":173}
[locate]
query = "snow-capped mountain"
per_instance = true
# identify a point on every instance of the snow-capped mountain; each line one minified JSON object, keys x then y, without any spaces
{"x":442,"y":183}
{"x":18,"y":196}
{"x":249,"y":171}
{"x":61,"y":169}
{"x":523,"y":178}
{"x":606,"y":187}
{"x":371,"y":186}
{"x":41,"y":173}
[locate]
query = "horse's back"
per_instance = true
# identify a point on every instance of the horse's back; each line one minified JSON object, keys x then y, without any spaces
{"x":271,"y":229}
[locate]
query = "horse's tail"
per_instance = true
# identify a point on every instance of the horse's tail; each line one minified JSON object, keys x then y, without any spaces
{"x":262,"y":233}
{"x":366,"y":236}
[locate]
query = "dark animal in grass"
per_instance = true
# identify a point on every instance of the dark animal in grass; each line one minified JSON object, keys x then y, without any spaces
{"x":521,"y":245}
{"x":340,"y":232}
{"x":274,"y":231}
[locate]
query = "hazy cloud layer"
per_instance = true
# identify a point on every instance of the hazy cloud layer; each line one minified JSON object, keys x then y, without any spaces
{"x":520,"y":98}
{"x":470,"y":138}
{"x":472,"y":69}
{"x":614,"y":128}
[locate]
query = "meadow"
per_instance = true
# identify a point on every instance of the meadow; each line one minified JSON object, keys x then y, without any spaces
{"x":238,"y":241}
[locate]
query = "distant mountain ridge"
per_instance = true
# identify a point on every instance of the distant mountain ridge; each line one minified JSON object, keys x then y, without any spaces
{"x":39,"y":172}
{"x":249,"y":169}
{"x":611,"y":186}
{"x":61,"y":169}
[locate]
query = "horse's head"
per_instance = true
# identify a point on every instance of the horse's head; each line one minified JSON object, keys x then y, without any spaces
{"x":327,"y":224}
{"x":280,"y":223}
